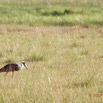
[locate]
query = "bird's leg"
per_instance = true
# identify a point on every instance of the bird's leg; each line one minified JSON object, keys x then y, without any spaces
{"x":12,"y":74}
{"x":6,"y":73}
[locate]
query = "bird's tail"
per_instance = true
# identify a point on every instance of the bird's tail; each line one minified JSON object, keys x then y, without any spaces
{"x":2,"y":70}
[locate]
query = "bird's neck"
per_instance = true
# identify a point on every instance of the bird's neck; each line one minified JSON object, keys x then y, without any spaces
{"x":21,"y":66}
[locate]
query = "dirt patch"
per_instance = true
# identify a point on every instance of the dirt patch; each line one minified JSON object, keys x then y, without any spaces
{"x":61,"y":30}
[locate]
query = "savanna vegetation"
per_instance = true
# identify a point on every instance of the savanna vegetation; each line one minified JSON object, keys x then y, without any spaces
{"x":61,"y":42}
{"x":48,"y":12}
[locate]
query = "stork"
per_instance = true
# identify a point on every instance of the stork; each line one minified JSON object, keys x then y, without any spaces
{"x":13,"y":67}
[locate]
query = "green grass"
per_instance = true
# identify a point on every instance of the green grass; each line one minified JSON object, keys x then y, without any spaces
{"x":54,"y":14}
{"x":65,"y":64}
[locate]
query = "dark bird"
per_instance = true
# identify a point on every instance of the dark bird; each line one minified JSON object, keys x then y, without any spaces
{"x":13,"y":67}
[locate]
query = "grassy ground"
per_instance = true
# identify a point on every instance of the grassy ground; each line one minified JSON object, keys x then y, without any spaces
{"x":66,"y":66}
{"x":51,"y":14}
{"x":66,"y":63}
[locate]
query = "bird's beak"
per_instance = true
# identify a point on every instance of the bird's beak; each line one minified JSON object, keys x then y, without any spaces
{"x":26,"y":67}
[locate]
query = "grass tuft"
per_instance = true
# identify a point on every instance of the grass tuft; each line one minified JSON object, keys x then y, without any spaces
{"x":74,"y":45}
{"x":35,"y":57}
{"x":1,"y":54}
{"x":9,"y":60}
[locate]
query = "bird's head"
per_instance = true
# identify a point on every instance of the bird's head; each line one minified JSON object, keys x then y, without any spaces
{"x":23,"y":62}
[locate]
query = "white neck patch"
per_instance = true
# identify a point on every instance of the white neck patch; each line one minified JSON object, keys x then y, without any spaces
{"x":21,"y":66}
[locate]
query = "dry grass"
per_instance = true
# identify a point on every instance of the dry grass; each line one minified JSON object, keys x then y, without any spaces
{"x":71,"y":73}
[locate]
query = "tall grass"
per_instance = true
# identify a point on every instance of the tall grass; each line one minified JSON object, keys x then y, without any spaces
{"x":71,"y":72}
{"x":49,"y":2}
{"x":52,"y":14}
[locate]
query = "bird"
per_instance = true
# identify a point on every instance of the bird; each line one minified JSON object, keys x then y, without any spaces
{"x":13,"y":67}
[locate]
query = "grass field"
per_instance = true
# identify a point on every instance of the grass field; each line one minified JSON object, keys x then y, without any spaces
{"x":66,"y":66}
{"x":61,"y":41}
{"x":52,"y":13}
